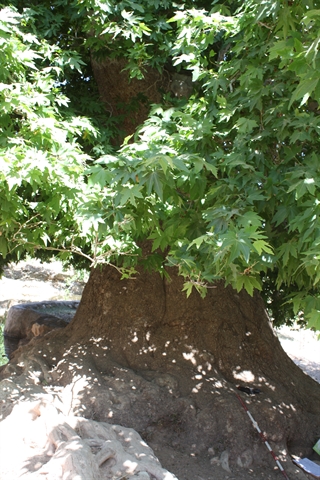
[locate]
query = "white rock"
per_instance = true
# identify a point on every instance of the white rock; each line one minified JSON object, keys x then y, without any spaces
{"x":37,"y":441}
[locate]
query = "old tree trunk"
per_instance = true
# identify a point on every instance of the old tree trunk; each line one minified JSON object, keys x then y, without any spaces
{"x":140,"y":354}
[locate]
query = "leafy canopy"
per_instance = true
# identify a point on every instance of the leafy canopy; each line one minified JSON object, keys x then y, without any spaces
{"x":224,"y":183}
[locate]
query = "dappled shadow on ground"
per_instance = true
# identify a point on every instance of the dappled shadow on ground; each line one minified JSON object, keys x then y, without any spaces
{"x":113,"y":392}
{"x":166,"y":408}
{"x":185,"y":408}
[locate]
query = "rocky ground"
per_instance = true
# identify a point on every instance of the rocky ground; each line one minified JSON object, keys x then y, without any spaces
{"x":32,"y":281}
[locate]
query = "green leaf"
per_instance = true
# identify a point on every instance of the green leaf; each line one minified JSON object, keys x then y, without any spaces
{"x":155,"y":183}
{"x":99,"y":176}
{"x":248,"y":285}
{"x":187,"y":287}
{"x":245,"y":125}
{"x":3,"y":246}
{"x":261,"y":246}
{"x":129,"y":194}
{"x":304,"y":90}
{"x":310,"y":16}
{"x":313,"y":319}
{"x":180,"y":165}
{"x":198,"y":241}
{"x":287,"y":250}
{"x":211,"y":168}
{"x":281,"y":215}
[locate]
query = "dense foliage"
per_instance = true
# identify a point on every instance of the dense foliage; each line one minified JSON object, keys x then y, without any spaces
{"x":225,"y":182}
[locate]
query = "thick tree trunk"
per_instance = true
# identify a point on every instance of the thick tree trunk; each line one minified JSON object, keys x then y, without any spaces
{"x":127,"y":100}
{"x":196,"y":351}
{"x":147,"y":357}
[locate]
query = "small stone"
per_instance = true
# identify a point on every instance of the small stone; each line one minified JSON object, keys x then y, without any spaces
{"x":224,"y":461}
{"x":245,"y":459}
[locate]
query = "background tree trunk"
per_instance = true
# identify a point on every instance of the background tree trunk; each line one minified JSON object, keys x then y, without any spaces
{"x":127,"y":100}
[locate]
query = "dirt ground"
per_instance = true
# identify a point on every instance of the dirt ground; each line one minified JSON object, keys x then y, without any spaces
{"x":31,"y":281}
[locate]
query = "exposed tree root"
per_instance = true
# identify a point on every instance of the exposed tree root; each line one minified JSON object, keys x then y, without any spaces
{"x":51,"y":445}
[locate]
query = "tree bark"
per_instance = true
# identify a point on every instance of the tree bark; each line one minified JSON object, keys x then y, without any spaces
{"x":127,"y":100}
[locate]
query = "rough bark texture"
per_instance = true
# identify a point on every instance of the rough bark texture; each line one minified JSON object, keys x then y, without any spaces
{"x":127,"y":101}
{"x":139,"y":354}
{"x":147,"y":324}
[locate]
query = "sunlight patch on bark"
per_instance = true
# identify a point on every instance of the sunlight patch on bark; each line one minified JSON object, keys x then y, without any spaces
{"x":245,"y":375}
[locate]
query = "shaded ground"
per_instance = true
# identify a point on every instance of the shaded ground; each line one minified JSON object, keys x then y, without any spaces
{"x":34,"y":282}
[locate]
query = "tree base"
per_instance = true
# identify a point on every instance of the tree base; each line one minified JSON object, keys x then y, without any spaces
{"x":139,"y":354}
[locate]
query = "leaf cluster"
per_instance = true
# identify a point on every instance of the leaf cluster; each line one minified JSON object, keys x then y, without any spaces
{"x":224,"y":184}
